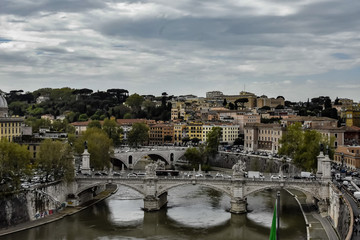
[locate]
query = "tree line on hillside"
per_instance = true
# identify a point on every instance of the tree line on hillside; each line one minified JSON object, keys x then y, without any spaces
{"x":84,"y":104}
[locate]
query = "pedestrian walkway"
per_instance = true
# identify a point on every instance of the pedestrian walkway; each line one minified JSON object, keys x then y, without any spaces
{"x":57,"y":216}
{"x":318,"y":227}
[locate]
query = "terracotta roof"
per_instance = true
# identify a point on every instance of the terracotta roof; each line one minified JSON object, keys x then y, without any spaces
{"x":309,"y":118}
{"x":80,"y":123}
{"x":132,"y":121}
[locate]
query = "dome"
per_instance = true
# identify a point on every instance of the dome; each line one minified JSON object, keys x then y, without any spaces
{"x":3,"y":102}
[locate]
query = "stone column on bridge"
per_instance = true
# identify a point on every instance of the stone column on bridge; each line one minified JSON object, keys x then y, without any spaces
{"x":238,"y":202}
{"x":326,"y":169}
{"x":320,"y":158}
{"x":153,"y":201}
{"x":85,"y":162}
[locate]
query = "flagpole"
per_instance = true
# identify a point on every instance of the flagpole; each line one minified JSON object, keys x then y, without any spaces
{"x":277,"y":214}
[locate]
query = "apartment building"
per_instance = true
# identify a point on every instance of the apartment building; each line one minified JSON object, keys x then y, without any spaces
{"x":263,"y":137}
{"x":228,"y":132}
{"x":160,"y":134}
{"x":10,"y":127}
{"x":352,"y":118}
{"x":179,"y":133}
{"x":194,"y":130}
{"x":338,"y":134}
{"x":310,"y":121}
{"x":348,"y":156}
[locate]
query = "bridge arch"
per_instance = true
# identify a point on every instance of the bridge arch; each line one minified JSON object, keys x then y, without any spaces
{"x":86,"y":187}
{"x":226,"y":191}
{"x":294,"y":187}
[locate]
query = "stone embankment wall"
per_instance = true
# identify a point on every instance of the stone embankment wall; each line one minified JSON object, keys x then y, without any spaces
{"x":32,"y":204}
{"x":341,"y":213}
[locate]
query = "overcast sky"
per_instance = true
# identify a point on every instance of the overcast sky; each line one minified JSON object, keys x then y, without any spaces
{"x":298,"y":49}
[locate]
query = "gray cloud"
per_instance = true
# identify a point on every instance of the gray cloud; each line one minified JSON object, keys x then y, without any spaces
{"x":272,"y":47}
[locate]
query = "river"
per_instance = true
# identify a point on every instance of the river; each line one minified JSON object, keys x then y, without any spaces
{"x":193,"y":212}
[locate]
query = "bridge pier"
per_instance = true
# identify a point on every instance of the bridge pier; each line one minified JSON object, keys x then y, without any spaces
{"x":153,"y":203}
{"x":238,"y":206}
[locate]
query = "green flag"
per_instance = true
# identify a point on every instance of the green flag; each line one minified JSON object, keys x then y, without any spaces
{"x":273,"y":226}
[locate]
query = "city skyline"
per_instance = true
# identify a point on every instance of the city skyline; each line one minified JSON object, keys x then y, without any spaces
{"x":298,"y":50}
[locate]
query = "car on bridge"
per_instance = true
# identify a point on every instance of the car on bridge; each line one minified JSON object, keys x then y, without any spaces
{"x":132,"y":175}
{"x":219,"y":175}
{"x":274,"y":177}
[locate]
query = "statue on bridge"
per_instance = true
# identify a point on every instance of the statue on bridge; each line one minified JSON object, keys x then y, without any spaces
{"x":151,"y":169}
{"x":239,"y":168}
{"x":160,"y":165}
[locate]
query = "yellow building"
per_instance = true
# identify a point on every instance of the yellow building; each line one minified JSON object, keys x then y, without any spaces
{"x":10,"y":127}
{"x":353,"y":118}
{"x":178,"y":133}
{"x":229,"y":132}
{"x":194,"y":130}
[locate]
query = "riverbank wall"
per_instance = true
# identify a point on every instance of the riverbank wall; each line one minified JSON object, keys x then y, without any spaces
{"x":32,"y":204}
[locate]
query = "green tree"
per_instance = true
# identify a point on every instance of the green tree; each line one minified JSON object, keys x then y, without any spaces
{"x":213,"y":141}
{"x":83,"y":117}
{"x":113,"y":131}
{"x":128,"y":116}
{"x":195,"y":156}
{"x":99,"y":147}
{"x":14,"y":164}
{"x":134,"y":101}
{"x":37,"y":123}
{"x":242,"y":102}
{"x":303,"y":146}
{"x":94,"y":123}
{"x":139,"y":134}
{"x":55,"y":158}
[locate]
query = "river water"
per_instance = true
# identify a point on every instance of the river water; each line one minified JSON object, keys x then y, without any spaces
{"x":193,"y":212}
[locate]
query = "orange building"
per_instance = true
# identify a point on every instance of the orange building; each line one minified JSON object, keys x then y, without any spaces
{"x":160,"y":134}
{"x":348,"y":156}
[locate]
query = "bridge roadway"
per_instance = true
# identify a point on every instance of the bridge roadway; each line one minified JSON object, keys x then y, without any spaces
{"x":154,"y":189}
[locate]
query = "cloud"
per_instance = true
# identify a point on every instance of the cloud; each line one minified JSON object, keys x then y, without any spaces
{"x":271,"y":46}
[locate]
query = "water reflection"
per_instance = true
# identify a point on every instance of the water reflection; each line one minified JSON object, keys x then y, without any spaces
{"x":193,"y":212}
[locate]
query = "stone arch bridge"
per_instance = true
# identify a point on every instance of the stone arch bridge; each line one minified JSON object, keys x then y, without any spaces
{"x":130,"y":158}
{"x":155,"y":189}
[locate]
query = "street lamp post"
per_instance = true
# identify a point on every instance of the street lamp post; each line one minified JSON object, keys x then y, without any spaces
{"x":342,"y":160}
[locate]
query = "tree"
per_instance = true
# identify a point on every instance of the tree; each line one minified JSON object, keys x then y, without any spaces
{"x":242,"y":102}
{"x":195,"y":156}
{"x":224,"y":102}
{"x":213,"y":141}
{"x":128,"y":116}
{"x":168,"y":138}
{"x":55,"y":158}
{"x":14,"y":164}
{"x":37,"y":123}
{"x":138,"y":135}
{"x":239,"y":140}
{"x":94,"y":124}
{"x":231,"y":106}
{"x":99,"y":145}
{"x":266,"y":108}
{"x":303,"y":146}
{"x":83,"y":117}
{"x":185,"y":140}
{"x":134,"y":101}
{"x":195,"y":141}
{"x":113,"y":131}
